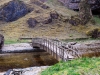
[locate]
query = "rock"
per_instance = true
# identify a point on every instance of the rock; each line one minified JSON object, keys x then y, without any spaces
{"x":37,"y":11}
{"x":26,"y":71}
{"x":14,"y":10}
{"x":43,"y":0}
{"x":74,"y":21}
{"x":40,"y":3}
{"x":32,"y":22}
{"x":47,"y":20}
{"x":1,"y":42}
{"x":54,"y":15}
{"x":74,"y":4}
{"x":94,"y":33}
{"x":8,"y":72}
{"x":45,"y":6}
{"x":37,"y":2}
{"x":85,"y":13}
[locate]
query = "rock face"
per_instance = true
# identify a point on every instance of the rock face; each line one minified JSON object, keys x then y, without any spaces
{"x":13,"y":11}
{"x":32,"y":22}
{"x":85,"y":13}
{"x":74,"y":4}
{"x":1,"y":42}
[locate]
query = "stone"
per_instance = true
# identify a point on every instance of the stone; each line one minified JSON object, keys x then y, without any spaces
{"x":94,"y":33}
{"x":37,"y":11}
{"x":43,"y":0}
{"x":74,"y":4}
{"x":54,"y":15}
{"x":14,"y":10}
{"x":32,"y":22}
{"x":47,"y":20}
{"x":74,"y":21}
{"x":8,"y":72}
{"x":26,"y":71}
{"x":85,"y":13}
{"x":45,"y":6}
{"x":37,"y":2}
{"x":1,"y":42}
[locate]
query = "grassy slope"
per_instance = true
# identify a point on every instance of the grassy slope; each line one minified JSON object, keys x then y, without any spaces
{"x":58,"y":29}
{"x":83,"y":66}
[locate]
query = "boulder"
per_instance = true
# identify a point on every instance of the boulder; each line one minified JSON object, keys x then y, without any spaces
{"x":32,"y":22}
{"x":54,"y":15}
{"x":13,"y":10}
{"x":1,"y":42}
{"x":94,"y":33}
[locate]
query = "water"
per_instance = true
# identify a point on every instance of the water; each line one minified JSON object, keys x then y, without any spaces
{"x":23,"y":60}
{"x":91,"y":54}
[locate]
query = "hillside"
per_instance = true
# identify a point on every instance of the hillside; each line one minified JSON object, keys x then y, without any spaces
{"x":56,"y":29}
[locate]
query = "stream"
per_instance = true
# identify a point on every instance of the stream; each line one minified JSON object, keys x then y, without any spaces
{"x":23,"y":60}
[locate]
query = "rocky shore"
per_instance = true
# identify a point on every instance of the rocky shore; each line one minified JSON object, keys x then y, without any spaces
{"x":19,"y":47}
{"x":25,"y":71}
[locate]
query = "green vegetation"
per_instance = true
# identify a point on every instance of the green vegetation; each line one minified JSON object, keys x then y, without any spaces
{"x":80,"y":39}
{"x":97,"y":19}
{"x":15,"y":41}
{"x":82,"y":66}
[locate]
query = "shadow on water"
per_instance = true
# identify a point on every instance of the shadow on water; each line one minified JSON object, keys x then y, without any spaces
{"x":23,"y":60}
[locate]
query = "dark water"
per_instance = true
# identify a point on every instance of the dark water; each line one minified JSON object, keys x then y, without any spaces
{"x":23,"y":60}
{"x":91,"y":54}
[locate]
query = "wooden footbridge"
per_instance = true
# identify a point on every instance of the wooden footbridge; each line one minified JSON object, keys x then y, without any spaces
{"x":59,"y":50}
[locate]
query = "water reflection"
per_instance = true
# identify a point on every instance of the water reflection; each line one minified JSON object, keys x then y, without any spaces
{"x":23,"y":60}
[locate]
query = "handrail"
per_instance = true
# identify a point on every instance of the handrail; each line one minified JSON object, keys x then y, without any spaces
{"x":61,"y":50}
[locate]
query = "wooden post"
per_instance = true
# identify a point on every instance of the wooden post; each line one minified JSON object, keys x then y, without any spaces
{"x":43,"y":44}
{"x":63,"y":54}
{"x":53,"y":49}
{"x":56,"y":50}
{"x":48,"y":46}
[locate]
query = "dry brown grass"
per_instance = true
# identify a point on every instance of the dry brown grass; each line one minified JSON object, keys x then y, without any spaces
{"x":57,"y":29}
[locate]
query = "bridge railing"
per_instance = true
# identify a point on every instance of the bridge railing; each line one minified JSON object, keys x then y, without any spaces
{"x":57,"y":48}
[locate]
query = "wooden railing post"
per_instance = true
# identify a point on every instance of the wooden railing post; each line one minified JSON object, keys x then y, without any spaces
{"x":63,"y":54}
{"x":56,"y":50}
{"x":53,"y":49}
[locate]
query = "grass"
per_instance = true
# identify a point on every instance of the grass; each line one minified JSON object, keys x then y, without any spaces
{"x":79,"y":39}
{"x":97,"y":19}
{"x":15,"y":41}
{"x":82,"y":66}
